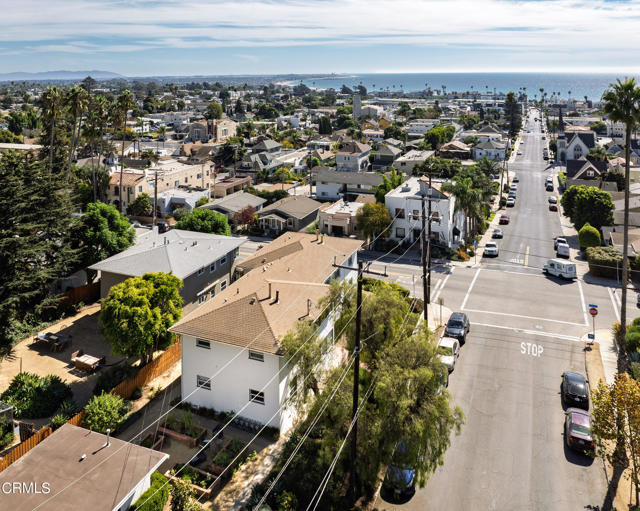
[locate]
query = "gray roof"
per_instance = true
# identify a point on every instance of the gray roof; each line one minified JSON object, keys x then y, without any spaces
{"x":296,"y":206}
{"x":235,"y":202}
{"x":328,"y":175}
{"x":265,"y":145}
{"x":489,"y":129}
{"x":179,"y":252}
{"x":389,"y":150}
{"x":490,"y":144}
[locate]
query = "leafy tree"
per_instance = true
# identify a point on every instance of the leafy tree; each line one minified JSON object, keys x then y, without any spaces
{"x":395,"y":131}
{"x":213,"y":111}
{"x":246,"y":216}
{"x":182,"y":497}
{"x":105,"y":411}
{"x":202,"y":201}
{"x":599,"y":127}
{"x":597,"y":153}
{"x":102,"y":232}
{"x":393,"y":180}
{"x":136,"y":314}
{"x":140,"y":206}
{"x":180,"y":213}
{"x":616,"y":424}
{"x":467,"y":199}
{"x":513,"y":114}
{"x":33,"y":396}
{"x":7,"y":137}
{"x":373,"y":220}
{"x":589,"y":236}
{"x":345,"y":90}
{"x":592,"y":205}
{"x":439,"y":135}
{"x":205,"y":220}
{"x":488,"y":166}
{"x":439,"y":167}
{"x":156,"y":496}
{"x":324,"y":126}
{"x":16,"y":122}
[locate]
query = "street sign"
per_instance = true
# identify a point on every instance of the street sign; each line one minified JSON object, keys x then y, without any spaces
{"x":593,"y":306}
{"x":593,"y":312}
{"x":591,"y":336}
{"x":475,"y":243}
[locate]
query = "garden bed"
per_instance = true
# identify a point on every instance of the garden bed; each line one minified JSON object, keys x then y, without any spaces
{"x":226,"y":457}
{"x":184,"y":438}
{"x":156,"y":444}
{"x":202,"y":483}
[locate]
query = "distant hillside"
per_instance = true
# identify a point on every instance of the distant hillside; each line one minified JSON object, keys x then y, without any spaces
{"x":58,"y":75}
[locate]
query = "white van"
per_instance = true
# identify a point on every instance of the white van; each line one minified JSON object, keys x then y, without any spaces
{"x":560,"y":268}
{"x":562,"y":250}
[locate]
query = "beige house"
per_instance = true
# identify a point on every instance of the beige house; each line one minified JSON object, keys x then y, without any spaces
{"x":223,"y":129}
{"x":339,"y":218}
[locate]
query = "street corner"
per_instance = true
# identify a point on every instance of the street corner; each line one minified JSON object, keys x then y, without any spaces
{"x":600,"y":356}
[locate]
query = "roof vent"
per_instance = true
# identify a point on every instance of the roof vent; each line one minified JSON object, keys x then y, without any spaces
{"x":252,"y":301}
{"x":83,"y":457}
{"x":406,"y":188}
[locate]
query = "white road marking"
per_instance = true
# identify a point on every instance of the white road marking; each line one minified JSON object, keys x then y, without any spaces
{"x":616,"y":310}
{"x":526,"y":317}
{"x":466,"y":296}
{"x":444,"y":281}
{"x":584,"y":307}
{"x":531,"y":332}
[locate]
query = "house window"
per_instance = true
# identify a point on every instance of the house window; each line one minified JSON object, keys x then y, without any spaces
{"x":202,"y":299}
{"x":212,"y":268}
{"x":400,"y":232}
{"x":399,"y":213}
{"x":223,"y":261}
{"x":212,"y":293}
{"x":589,"y":173}
{"x":290,"y":222}
{"x":256,"y":355}
{"x":201,"y":343}
{"x":236,"y":252}
{"x":176,"y":183}
{"x":198,"y":176}
{"x":203,"y":382}
{"x":115,"y":189}
{"x":323,"y":193}
{"x":223,"y":285}
{"x":200,"y":271}
{"x":186,"y":179}
{"x":256,"y":397}
{"x":415,"y":214}
{"x":140,"y":188}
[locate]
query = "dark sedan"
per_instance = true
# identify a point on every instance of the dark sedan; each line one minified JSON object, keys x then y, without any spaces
{"x":577,"y":431}
{"x":574,"y":390}
{"x":553,"y":207}
{"x":458,"y":326}
{"x":399,"y":481}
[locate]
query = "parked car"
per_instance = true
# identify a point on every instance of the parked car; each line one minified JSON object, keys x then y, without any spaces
{"x":511,"y":202}
{"x":563,"y":250}
{"x":458,"y":326}
{"x":162,"y":227}
{"x":504,"y":220}
{"x":519,"y":153}
{"x":553,"y":207}
{"x":552,"y":199}
{"x":400,"y":478}
{"x":497,"y":234}
{"x":549,"y":186}
{"x":557,"y":240}
{"x":560,"y":268}
{"x":515,"y":179}
{"x":577,"y":431}
{"x":491,"y":249}
{"x":448,"y":350}
{"x":574,"y":390}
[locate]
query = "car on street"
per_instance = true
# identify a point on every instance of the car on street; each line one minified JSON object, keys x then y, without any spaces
{"x":549,"y":187}
{"x":511,"y":202}
{"x":557,"y":240}
{"x":458,"y":326}
{"x":497,"y":234}
{"x":574,"y":390}
{"x":560,"y":268}
{"x":563,"y":250}
{"x":553,"y":199}
{"x":504,"y":220}
{"x":516,"y":179}
{"x":491,"y":249}
{"x":553,"y":207}
{"x":519,"y":153}
{"x":577,"y":431}
{"x":448,"y":350}
{"x":400,"y":478}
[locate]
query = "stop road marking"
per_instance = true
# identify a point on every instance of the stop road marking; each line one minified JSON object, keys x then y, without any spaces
{"x":528,"y":348}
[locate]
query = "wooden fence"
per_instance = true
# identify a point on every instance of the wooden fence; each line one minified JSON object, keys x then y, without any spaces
{"x":24,"y":447}
{"x":152,"y":370}
{"x":88,"y":293}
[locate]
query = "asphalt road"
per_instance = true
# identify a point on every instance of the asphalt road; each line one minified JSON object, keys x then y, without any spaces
{"x":511,"y":452}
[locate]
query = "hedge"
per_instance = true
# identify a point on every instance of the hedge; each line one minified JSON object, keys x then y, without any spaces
{"x":113,"y":376}
{"x":34,"y":397}
{"x":157,"y":499}
{"x":604,"y":261}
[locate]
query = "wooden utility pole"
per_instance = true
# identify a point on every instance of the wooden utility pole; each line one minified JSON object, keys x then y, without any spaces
{"x":155,"y":198}
{"x":361,"y":269}
{"x":424,"y":265}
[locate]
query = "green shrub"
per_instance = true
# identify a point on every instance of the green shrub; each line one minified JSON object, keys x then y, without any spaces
{"x":202,"y":201}
{"x":6,"y":432}
{"x":105,"y":411}
{"x":589,"y":236}
{"x":635,"y":370}
{"x":180,"y":213}
{"x":562,"y":180}
{"x":604,"y":261}
{"x":58,"y":421}
{"x":633,"y":339}
{"x":112,"y":377}
{"x":33,"y":396}
{"x":228,"y":455}
{"x":157,"y":495}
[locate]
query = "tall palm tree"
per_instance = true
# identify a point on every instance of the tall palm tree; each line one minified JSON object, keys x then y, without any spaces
{"x":76,"y":99}
{"x":124,"y":103}
{"x":51,"y":104}
{"x":622,"y":104}
{"x":161,"y":131}
{"x":467,"y":199}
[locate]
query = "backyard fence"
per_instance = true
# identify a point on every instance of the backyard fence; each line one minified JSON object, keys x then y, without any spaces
{"x":87,"y":293}
{"x":149,"y":372}
{"x":24,"y":447}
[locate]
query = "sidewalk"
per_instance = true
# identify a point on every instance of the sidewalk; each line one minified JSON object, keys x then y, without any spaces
{"x":608,"y":352}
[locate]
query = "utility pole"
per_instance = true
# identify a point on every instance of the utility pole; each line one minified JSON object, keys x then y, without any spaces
{"x":425,"y":287}
{"x":155,"y":197}
{"x":361,"y":269}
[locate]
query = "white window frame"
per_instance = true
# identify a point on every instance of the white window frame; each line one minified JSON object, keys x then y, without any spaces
{"x":200,"y":271}
{"x":223,"y":260}
{"x":202,"y":299}
{"x":223,"y":285}
{"x":256,"y":355}
{"x":256,"y":396}
{"x":404,"y":232}
{"x":202,"y":343}
{"x":212,"y":267}
{"x":203,"y":382}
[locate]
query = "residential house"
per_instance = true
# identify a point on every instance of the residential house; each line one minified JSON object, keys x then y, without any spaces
{"x":339,"y":219}
{"x":203,"y":262}
{"x":320,"y":144}
{"x":223,"y":129}
{"x":233,"y":203}
{"x":585,"y":170}
{"x":78,"y":466}
{"x":133,"y":184}
{"x":230,"y":185}
{"x":289,"y":214}
{"x":419,"y":127}
{"x":353,"y":157}
{"x":333,"y":185}
{"x":488,"y":133}
{"x":574,"y":145}
{"x":181,"y":197}
{"x":404,"y":204}
{"x":374,"y":135}
{"x":455,"y":149}
{"x":323,"y":156}
{"x":408,"y":161}
{"x":232,"y":358}
{"x":385,"y":157}
{"x":198,"y":131}
{"x":491,"y":149}
{"x":267,"y":145}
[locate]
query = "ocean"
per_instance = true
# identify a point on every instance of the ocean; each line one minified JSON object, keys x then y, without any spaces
{"x":580,"y":85}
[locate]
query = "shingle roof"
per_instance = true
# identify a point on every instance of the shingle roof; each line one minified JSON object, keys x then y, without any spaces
{"x":575,"y":167}
{"x":179,"y":252}
{"x":295,"y":267}
{"x":128,"y":178}
{"x":265,"y":145}
{"x":355,"y":148}
{"x":588,"y":138}
{"x":297,"y":206}
{"x":490,"y":144}
{"x":489,"y":129}
{"x":235,"y":202}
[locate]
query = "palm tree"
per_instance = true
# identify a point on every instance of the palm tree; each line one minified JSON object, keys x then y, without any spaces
{"x":622,"y":104}
{"x":76,"y":99}
{"x":467,"y":199}
{"x":123,"y":104}
{"x":51,"y":104}
{"x":161,"y":131}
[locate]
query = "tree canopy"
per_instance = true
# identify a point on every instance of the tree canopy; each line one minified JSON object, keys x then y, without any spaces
{"x":205,"y":220}
{"x":587,"y":204}
{"x":373,"y":219}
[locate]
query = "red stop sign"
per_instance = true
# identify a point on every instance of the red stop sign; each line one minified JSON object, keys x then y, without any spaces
{"x":593,"y":312}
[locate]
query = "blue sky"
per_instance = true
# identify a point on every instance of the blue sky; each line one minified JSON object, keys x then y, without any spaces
{"x":187,"y":37}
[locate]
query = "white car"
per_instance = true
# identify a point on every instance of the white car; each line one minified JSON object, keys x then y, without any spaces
{"x":491,"y":249}
{"x":511,"y":202}
{"x":449,"y":349}
{"x":519,"y":152}
{"x":553,"y":199}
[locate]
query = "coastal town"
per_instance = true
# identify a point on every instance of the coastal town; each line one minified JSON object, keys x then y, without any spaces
{"x":232,"y":293}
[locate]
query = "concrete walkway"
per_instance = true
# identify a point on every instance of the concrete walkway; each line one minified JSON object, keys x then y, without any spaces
{"x":608,"y":352}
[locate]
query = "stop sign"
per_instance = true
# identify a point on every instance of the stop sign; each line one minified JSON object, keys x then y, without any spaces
{"x":593,"y":311}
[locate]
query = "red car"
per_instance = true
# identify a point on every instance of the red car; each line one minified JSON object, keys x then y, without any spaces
{"x":504,"y":219}
{"x":577,"y":431}
{"x":553,"y":207}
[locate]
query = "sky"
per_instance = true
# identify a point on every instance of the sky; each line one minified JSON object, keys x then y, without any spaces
{"x":211,"y":37}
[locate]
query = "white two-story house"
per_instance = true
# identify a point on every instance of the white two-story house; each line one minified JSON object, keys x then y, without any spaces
{"x":404,"y":204}
{"x":353,"y":157}
{"x":231,"y":353}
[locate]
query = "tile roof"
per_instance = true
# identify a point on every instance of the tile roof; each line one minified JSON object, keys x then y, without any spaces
{"x":176,"y":251}
{"x":128,"y":178}
{"x":295,"y":268}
